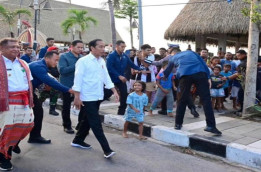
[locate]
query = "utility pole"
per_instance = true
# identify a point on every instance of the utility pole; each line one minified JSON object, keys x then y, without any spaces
{"x":251,"y":71}
{"x":36,"y":8}
{"x":140,"y":24}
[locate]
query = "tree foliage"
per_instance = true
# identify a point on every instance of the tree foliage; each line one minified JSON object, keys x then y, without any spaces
{"x":79,"y":20}
{"x":256,"y":16}
{"x":128,"y":9}
{"x":10,"y":17}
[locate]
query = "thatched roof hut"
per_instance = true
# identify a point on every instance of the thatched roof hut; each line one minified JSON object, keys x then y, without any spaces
{"x":210,"y":22}
{"x":50,"y":21}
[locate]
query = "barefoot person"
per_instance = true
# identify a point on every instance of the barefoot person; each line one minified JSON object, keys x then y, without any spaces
{"x":16,"y":101}
{"x":136,"y":102}
{"x":91,"y":75}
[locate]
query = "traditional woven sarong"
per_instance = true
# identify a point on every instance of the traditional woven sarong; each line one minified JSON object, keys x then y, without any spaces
{"x":16,"y":115}
{"x":16,"y":123}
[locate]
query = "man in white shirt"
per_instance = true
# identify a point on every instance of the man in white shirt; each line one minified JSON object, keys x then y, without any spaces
{"x":16,"y":101}
{"x":91,"y":75}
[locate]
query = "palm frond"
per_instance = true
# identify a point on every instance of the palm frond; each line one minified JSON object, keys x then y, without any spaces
{"x":23,"y":11}
{"x":2,"y":10}
{"x":77,"y":18}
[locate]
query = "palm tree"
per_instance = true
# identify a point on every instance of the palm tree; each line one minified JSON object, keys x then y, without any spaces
{"x":10,"y":17}
{"x":113,"y":4}
{"x":128,"y":10}
{"x":78,"y":20}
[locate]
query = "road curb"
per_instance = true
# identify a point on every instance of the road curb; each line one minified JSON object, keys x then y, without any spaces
{"x":244,"y":155}
{"x":169,"y":135}
{"x":233,"y":152}
{"x":208,"y":145}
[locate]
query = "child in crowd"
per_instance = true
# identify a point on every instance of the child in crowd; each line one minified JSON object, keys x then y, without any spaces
{"x":164,"y":89}
{"x":217,"y":91}
{"x":234,"y":92}
{"x":226,"y":72}
{"x":213,"y":62}
{"x":136,"y":102}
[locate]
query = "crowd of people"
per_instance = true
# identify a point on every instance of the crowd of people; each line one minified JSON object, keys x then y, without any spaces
{"x":140,"y":79}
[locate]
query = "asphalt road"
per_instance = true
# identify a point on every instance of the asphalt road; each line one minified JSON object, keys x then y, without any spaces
{"x":131,"y":155}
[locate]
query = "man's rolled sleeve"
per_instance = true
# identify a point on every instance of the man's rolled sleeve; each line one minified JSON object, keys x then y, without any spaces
{"x":169,"y":68}
{"x":78,"y":76}
{"x":108,"y":83}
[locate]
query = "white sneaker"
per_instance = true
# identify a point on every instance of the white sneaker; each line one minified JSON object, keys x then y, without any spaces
{"x":109,"y":154}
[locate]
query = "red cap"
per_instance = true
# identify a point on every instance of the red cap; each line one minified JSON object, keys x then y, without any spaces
{"x":53,"y":48}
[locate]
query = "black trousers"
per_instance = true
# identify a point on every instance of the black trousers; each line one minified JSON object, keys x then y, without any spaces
{"x":240,"y":98}
{"x":91,"y":120}
{"x":67,"y":100}
{"x":123,"y":97}
{"x":2,"y":156}
{"x":191,"y":104}
{"x":38,"y":117}
{"x":201,"y":81}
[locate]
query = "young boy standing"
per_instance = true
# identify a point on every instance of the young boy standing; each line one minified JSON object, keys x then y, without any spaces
{"x":226,"y":73}
{"x":147,"y":73}
{"x":217,"y":91}
{"x":164,"y":89}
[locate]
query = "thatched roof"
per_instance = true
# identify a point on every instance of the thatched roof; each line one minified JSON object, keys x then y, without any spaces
{"x":209,"y":19}
{"x":50,"y":21}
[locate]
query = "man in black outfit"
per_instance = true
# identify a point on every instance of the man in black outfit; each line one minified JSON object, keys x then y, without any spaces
{"x":191,"y":69}
{"x":67,"y":68}
{"x":117,"y":63}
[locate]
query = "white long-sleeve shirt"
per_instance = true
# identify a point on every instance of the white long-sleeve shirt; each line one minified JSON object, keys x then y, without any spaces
{"x":91,"y":75}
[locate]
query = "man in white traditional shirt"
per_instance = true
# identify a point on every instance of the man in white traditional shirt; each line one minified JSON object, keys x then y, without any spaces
{"x":91,"y":75}
{"x":16,"y":101}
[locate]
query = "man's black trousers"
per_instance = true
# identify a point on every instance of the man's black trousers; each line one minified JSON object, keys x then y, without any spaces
{"x":90,"y":119}
{"x":201,"y":81}
{"x":38,"y":117}
{"x":67,"y":100}
{"x":123,"y":97}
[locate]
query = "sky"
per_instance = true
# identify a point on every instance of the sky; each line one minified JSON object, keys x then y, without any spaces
{"x":156,"y":20}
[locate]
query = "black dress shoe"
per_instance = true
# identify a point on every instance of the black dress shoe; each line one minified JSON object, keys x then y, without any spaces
{"x":40,"y":140}
{"x":6,"y":165}
{"x":194,"y":112}
{"x":68,"y":130}
{"x":17,"y":149}
{"x":162,"y":112}
{"x":178,"y":126}
{"x":213,"y":130}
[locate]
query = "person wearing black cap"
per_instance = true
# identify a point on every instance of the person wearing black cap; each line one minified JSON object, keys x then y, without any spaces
{"x":191,"y":69}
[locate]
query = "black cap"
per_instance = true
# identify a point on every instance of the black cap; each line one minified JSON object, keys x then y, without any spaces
{"x":242,"y":52}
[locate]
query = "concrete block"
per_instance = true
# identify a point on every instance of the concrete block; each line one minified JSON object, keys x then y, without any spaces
{"x":208,"y":144}
{"x":115,"y":121}
{"x":244,"y":155}
{"x":170,"y":135}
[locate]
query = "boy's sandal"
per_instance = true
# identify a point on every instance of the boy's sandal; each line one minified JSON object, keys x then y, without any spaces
{"x":143,"y":138}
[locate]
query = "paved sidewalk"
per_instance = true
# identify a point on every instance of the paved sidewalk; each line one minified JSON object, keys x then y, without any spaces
{"x":240,"y":137}
{"x":234,"y":130}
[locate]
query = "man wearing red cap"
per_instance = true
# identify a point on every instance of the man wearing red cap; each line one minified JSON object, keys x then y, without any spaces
{"x":48,"y":91}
